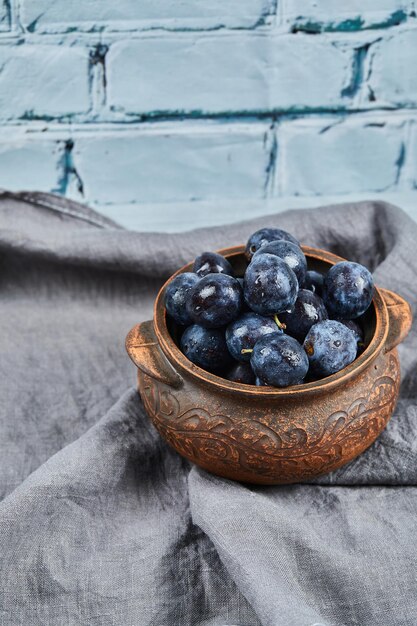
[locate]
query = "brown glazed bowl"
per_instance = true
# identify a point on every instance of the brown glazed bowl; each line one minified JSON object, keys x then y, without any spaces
{"x":264,"y":434}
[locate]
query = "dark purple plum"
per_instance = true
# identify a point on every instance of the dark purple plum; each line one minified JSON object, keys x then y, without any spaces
{"x":279,"y":360}
{"x":212,"y":263}
{"x":290,"y":253}
{"x":245,"y":308}
{"x":266,"y":235}
{"x":270,"y":285}
{"x":215,"y":300}
{"x":243,"y":333}
{"x":308,"y":310}
{"x":206,"y":347}
{"x":314,"y":282}
{"x":241,"y":373}
{"x":260,"y":383}
{"x":176,"y":296}
{"x":330,"y":347}
{"x":348,"y":290}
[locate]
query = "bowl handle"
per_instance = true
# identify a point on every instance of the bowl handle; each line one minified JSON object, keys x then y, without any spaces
{"x":400,"y":318}
{"x":143,"y":348}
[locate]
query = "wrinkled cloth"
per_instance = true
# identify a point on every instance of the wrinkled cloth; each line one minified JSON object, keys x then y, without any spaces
{"x":102,"y":524}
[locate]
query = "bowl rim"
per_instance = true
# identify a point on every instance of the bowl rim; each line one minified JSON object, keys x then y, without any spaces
{"x":179,"y":360}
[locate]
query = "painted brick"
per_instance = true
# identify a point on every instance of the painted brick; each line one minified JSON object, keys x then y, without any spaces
{"x":169,"y":163}
{"x":315,"y":16}
{"x":412,"y":149}
{"x":216,"y":73}
{"x":177,"y":175}
{"x":346,"y":157}
{"x":42,"y":81}
{"x":186,"y":216}
{"x":65,"y":15}
{"x":394,"y":77}
{"x":29,"y":163}
{"x":4,"y":16}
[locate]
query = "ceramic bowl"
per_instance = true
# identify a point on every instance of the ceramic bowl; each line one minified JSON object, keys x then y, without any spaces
{"x":263,"y":434}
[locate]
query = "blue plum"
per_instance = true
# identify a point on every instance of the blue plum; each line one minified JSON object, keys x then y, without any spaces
{"x":270,"y":285}
{"x":176,"y":296}
{"x":330,"y":347}
{"x":206,"y":347}
{"x":314,"y":281}
{"x":348,"y":290}
{"x":245,"y":307}
{"x":243,"y":333}
{"x":241,"y":373}
{"x":215,"y":300}
{"x":212,"y":263}
{"x":290,"y":253}
{"x":279,"y":360}
{"x":308,"y":310}
{"x":355,"y":328}
{"x":266,"y":235}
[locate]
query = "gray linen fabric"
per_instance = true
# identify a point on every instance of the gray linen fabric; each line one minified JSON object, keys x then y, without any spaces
{"x":102,"y":524}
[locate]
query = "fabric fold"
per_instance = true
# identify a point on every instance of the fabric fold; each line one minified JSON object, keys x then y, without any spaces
{"x":101,"y":533}
{"x":101,"y":523}
{"x":305,"y":554}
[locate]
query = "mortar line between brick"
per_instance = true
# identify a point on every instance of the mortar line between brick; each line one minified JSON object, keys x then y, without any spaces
{"x":9,"y":13}
{"x":97,"y":78}
{"x":16,"y":25}
{"x":180,"y":118}
{"x":261,"y":27}
{"x":270,"y":170}
{"x":405,"y":172}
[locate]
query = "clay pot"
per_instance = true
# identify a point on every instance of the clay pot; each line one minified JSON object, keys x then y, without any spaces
{"x":263,"y":434}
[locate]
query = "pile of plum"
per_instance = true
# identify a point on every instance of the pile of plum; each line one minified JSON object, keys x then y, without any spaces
{"x":279,"y":325}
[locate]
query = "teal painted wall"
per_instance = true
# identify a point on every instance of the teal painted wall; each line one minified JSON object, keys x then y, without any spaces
{"x":169,"y":115}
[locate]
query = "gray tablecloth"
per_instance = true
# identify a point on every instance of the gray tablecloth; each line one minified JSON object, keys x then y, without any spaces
{"x":102,"y":524}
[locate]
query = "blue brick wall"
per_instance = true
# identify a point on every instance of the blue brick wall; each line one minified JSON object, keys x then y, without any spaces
{"x":167,"y":115}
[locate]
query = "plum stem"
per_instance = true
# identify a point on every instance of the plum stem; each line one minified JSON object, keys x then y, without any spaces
{"x":278,"y":323}
{"x":246,"y":351}
{"x":309,"y":349}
